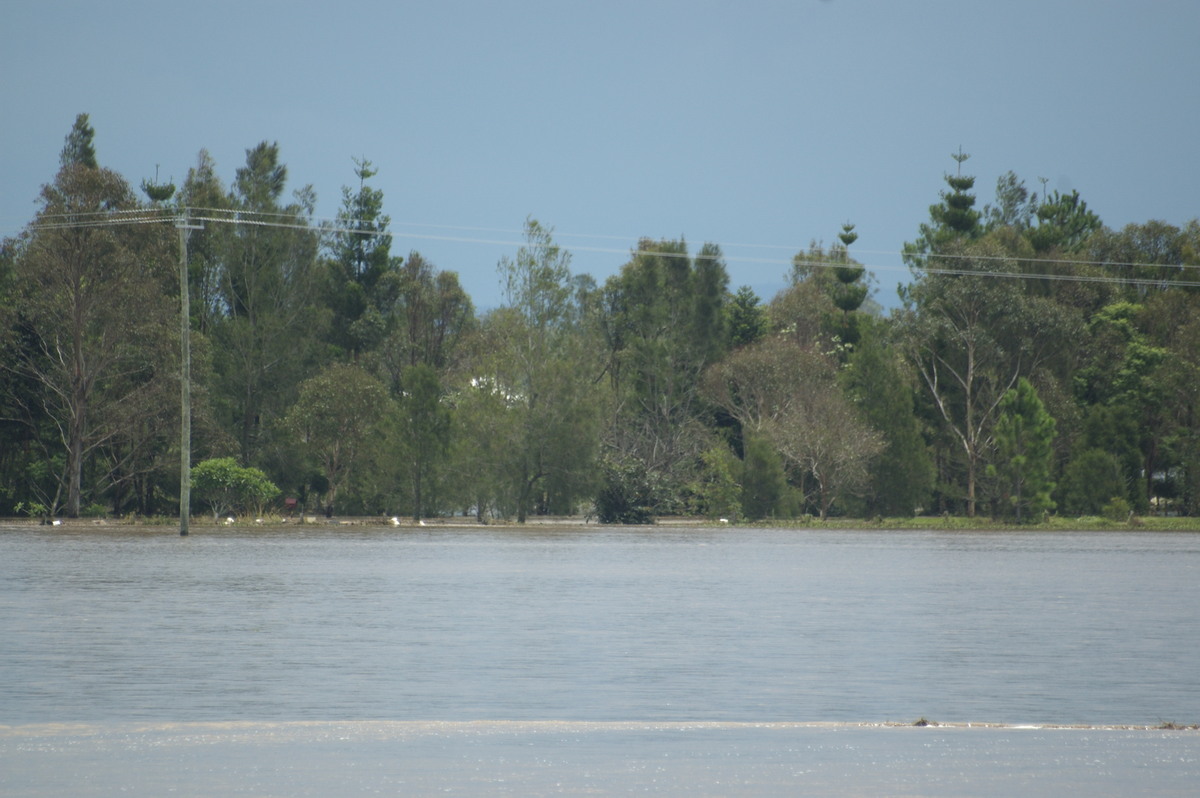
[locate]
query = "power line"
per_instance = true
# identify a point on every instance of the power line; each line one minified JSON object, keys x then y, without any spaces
{"x":336,"y":225}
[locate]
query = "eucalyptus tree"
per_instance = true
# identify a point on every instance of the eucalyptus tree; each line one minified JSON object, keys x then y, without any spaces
{"x":484,"y":424}
{"x":788,"y":396}
{"x":424,"y":442}
{"x":427,"y":318}
{"x":93,"y":313}
{"x":1015,"y":207}
{"x":338,"y":412}
{"x":970,"y":327}
{"x":1150,"y":257}
{"x":27,"y":473}
{"x":970,"y":336}
{"x":529,"y":369}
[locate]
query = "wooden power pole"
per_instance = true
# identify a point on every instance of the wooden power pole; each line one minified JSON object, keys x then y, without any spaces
{"x":185,"y":377}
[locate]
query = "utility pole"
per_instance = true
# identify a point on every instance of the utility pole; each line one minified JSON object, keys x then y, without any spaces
{"x":185,"y":377}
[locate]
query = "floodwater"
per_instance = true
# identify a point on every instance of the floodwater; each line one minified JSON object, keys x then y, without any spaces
{"x":585,"y":660}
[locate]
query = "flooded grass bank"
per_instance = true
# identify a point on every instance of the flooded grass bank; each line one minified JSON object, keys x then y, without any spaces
{"x":919,"y":523}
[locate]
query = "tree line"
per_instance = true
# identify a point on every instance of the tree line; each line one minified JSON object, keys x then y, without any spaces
{"x":1039,"y":363}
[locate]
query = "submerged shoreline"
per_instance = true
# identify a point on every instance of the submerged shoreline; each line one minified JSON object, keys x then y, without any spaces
{"x":916,"y":523}
{"x":553,"y":758}
{"x":400,"y":728}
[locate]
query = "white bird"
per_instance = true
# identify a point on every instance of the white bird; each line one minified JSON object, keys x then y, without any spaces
{"x":395,"y":521}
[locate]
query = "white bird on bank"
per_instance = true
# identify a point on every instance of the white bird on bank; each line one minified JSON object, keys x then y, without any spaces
{"x":395,"y":521}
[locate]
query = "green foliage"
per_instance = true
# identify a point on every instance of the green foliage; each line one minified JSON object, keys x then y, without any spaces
{"x":1014,"y":206}
{"x":1113,"y":428}
{"x":1064,"y":223}
{"x":629,"y":494}
{"x":93,"y":511}
{"x":902,"y":477}
{"x":764,"y":484}
{"x":747,"y":320}
{"x":92,"y":322}
{"x":268,"y":292}
{"x":1120,"y":381}
{"x":229,"y":488}
{"x":1147,"y":256}
{"x":79,"y":149}
{"x":425,"y":421}
{"x":32,"y":509}
{"x":827,"y":288}
{"x":664,"y":323}
{"x":483,"y":429}
{"x":426,"y":315}
{"x":158,"y":192}
{"x":537,"y":283}
{"x":970,"y":336}
{"x":953,"y":219}
{"x":717,"y":491}
{"x":1024,"y":453}
{"x":532,"y":353}
{"x":834,"y":408}
{"x":1090,"y":481}
{"x":788,"y":394}
{"x":850,"y":291}
{"x":359,"y":265}
{"x":1117,"y":509}
{"x":336,"y":413}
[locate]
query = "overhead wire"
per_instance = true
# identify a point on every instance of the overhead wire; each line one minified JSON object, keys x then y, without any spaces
{"x":343,"y":225}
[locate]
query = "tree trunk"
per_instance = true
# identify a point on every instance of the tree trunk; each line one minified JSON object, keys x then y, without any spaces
{"x":417,"y":509}
{"x":971,"y":492}
{"x":75,"y":461}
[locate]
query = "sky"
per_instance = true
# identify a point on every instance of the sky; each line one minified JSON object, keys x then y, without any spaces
{"x":757,"y":125}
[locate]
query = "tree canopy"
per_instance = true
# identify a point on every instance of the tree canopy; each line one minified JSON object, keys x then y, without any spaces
{"x":1040,"y":362}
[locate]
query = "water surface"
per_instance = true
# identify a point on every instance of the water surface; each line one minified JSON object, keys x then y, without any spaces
{"x":597,"y":624}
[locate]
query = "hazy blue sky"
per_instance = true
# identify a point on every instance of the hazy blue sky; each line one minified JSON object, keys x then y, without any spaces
{"x":756,"y":125}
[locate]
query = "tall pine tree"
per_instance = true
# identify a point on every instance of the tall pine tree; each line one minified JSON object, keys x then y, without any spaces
{"x":1024,"y":453}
